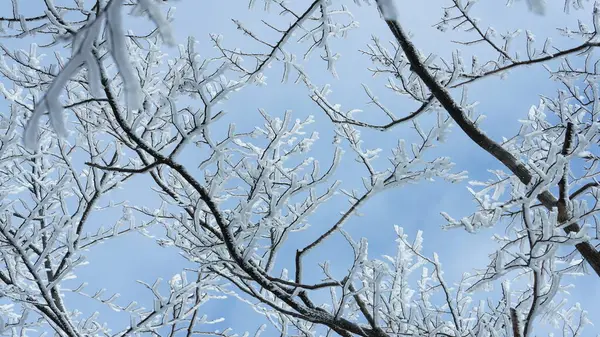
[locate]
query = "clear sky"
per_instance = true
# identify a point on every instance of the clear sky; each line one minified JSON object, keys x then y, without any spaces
{"x":116,"y":265}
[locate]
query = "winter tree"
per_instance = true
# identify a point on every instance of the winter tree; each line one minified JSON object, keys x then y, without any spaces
{"x":249,"y":146}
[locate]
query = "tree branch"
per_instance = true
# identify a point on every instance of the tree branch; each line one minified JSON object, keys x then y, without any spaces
{"x":589,"y":253}
{"x":515,"y":323}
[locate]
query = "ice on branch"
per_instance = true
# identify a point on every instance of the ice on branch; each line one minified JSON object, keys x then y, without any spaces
{"x":84,"y":41}
{"x":388,"y":9}
{"x":535,"y":6}
{"x":237,"y":190}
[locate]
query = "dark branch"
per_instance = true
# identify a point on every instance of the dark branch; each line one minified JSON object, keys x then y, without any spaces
{"x":126,"y":170}
{"x":515,"y":322}
{"x":589,"y":253}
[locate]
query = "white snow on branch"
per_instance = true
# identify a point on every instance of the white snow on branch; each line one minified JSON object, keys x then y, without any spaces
{"x":388,"y":9}
{"x":118,"y":50}
{"x":83,"y":46}
{"x":537,"y":6}
{"x":50,"y":102}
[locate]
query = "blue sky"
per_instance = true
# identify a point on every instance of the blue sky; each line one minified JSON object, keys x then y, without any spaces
{"x":116,"y":265}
